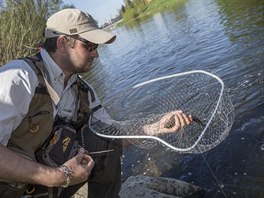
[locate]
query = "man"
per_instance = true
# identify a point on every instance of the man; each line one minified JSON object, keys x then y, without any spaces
{"x":43,"y":102}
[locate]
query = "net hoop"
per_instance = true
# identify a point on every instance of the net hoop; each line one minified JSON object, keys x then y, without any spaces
{"x":159,"y":139}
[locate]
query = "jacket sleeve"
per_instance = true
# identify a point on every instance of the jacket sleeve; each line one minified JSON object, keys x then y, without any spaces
{"x":18,"y":83}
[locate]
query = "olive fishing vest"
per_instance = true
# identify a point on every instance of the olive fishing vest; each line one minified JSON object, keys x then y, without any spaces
{"x":37,"y":125}
{"x":36,"y":128}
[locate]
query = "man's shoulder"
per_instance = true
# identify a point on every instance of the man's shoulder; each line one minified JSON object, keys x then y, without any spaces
{"x":17,"y":65}
{"x":19,"y":70}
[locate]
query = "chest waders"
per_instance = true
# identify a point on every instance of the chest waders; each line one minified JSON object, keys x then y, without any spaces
{"x":33,"y":139}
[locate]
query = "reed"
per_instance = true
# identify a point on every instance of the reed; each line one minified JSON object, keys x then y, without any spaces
{"x":22,"y":24}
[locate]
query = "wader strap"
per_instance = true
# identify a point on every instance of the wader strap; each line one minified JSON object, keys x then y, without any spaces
{"x":53,"y":94}
{"x":86,"y":88}
{"x":84,"y":109}
{"x":96,"y":108}
{"x":33,"y":64}
{"x":77,"y":103}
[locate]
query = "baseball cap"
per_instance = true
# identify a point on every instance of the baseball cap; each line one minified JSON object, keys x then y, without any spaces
{"x":75,"y":22}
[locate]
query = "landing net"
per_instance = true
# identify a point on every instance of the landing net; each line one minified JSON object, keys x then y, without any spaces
{"x":198,"y":93}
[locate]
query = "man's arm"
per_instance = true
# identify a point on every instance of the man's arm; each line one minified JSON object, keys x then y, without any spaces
{"x":16,"y":168}
{"x":18,"y":82}
{"x":170,"y":123}
{"x":179,"y":118}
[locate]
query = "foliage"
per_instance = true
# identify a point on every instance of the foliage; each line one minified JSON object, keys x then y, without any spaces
{"x":161,"y":5}
{"x":128,"y":4}
{"x":22,"y":24}
{"x":130,"y":14}
{"x":139,"y":8}
{"x":133,"y":9}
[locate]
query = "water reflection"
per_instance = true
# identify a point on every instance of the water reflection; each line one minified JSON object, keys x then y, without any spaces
{"x":219,"y":36}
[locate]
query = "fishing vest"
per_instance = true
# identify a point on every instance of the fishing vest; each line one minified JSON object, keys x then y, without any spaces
{"x":36,"y":130}
{"x":37,"y":125}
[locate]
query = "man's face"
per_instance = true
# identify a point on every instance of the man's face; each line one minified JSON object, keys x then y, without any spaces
{"x":82,"y":55}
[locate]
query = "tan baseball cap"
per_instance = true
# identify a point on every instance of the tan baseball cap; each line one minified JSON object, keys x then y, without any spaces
{"x":75,"y":22}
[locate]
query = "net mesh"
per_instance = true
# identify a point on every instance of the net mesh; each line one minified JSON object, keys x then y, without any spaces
{"x":197,"y":93}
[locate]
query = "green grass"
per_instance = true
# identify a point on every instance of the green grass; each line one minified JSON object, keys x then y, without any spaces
{"x":143,"y":11}
{"x":162,"y":5}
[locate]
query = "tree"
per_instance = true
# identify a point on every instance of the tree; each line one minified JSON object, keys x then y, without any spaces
{"x":122,"y":10}
{"x":22,"y":24}
{"x":128,"y":3}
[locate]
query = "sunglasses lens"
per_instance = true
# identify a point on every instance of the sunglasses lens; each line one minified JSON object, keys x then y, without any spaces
{"x":88,"y":45}
{"x":93,"y":47}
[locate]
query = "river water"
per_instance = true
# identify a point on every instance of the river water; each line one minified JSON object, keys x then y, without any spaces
{"x":223,"y":37}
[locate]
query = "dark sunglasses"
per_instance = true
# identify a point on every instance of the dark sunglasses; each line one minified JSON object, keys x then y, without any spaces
{"x":88,"y":45}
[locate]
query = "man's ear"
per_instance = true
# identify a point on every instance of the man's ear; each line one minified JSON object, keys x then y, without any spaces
{"x":62,"y":43}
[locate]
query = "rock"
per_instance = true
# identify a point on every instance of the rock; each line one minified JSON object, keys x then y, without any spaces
{"x":158,"y":187}
{"x":152,"y":187}
{"x":82,"y":192}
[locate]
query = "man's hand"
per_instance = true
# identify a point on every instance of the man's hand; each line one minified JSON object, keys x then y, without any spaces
{"x":80,"y":167}
{"x":174,"y":121}
{"x":171,"y":122}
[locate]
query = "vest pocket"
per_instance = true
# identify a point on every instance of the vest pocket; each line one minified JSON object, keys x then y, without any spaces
{"x":35,"y":121}
{"x":60,"y":147}
{"x":32,"y":132}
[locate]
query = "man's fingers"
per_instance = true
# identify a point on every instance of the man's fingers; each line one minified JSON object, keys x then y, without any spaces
{"x":181,"y":119}
{"x":186,"y":118}
{"x":174,"y":121}
{"x":88,"y":160}
{"x":177,"y":122}
{"x":190,"y":117}
{"x":81,"y":151}
{"x":83,"y":158}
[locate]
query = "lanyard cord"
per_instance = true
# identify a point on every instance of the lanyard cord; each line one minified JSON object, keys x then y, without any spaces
{"x":221,"y":186}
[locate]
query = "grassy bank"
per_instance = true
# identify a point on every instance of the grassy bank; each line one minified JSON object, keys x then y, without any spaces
{"x":142,"y":10}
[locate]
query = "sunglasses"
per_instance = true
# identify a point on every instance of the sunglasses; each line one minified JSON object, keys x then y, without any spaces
{"x":88,"y":45}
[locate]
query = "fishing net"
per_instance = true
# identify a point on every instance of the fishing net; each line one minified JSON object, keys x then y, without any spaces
{"x":198,"y":93}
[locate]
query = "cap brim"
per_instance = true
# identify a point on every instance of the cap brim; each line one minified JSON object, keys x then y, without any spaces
{"x":98,"y":36}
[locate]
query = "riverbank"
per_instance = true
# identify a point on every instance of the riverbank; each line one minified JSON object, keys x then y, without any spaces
{"x":144,"y":10}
